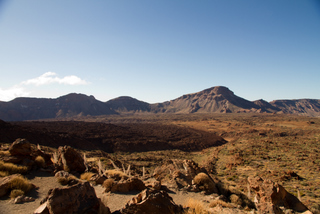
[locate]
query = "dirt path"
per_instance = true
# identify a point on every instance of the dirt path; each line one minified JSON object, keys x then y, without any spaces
{"x":46,"y":181}
{"x":116,"y":201}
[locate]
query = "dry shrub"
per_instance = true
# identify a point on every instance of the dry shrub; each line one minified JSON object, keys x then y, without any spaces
{"x":235,"y":160}
{"x":221,"y":203}
{"x":20,"y":183}
{"x":64,"y":162}
{"x":108,"y":184}
{"x":195,"y":207}
{"x":4,"y":173}
{"x":12,"y":168}
{"x":116,"y":174}
{"x":204,"y":182}
{"x":70,"y":180}
{"x":4,"y":153}
{"x":55,"y":158}
{"x":66,"y":168}
{"x":86,"y":176}
{"x":40,"y":161}
{"x":16,"y":192}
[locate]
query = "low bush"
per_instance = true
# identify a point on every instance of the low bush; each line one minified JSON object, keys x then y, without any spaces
{"x":12,"y":168}
{"x":40,"y":161}
{"x":116,"y":174}
{"x":204,"y":182}
{"x":86,"y":176}
{"x":195,"y":207}
{"x":20,"y":183}
{"x":215,"y":203}
{"x":108,"y":184}
{"x":15,"y":193}
{"x":3,"y":173}
{"x":70,"y":180}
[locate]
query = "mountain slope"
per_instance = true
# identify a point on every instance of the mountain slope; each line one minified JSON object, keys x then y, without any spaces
{"x":217,"y":99}
{"x":128,"y":104}
{"x":307,"y":107}
{"x":265,"y":106}
{"x":43,"y":108}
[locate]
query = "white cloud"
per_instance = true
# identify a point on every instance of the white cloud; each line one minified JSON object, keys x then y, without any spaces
{"x":21,"y":90}
{"x":13,"y":92}
{"x":51,"y":77}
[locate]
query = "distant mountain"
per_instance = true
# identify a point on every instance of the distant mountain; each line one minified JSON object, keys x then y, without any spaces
{"x":42,"y":108}
{"x":128,"y":104}
{"x":265,"y":106}
{"x":217,"y":99}
{"x":307,"y":107}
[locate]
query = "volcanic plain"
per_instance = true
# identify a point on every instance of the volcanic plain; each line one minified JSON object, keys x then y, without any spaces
{"x":231,"y":147}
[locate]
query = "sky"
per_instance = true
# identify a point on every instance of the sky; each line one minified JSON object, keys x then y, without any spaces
{"x":159,"y":50}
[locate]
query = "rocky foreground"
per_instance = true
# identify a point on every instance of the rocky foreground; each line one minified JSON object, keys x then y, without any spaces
{"x":80,"y":177}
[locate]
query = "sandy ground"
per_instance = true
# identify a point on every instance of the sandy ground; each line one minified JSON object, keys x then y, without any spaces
{"x":46,"y":181}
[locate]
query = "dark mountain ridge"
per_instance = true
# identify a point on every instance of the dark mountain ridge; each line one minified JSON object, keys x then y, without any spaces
{"x":217,"y":99}
{"x":128,"y":104}
{"x":308,"y":107}
{"x":70,"y":105}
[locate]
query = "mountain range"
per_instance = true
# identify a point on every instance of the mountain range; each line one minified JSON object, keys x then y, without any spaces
{"x":217,"y":99}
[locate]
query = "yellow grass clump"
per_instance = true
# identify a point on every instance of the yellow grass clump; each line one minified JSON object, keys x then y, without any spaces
{"x":86,"y":176}
{"x":3,"y":173}
{"x":204,"y":182}
{"x":108,"y":184}
{"x":195,"y":207}
{"x":71,"y":179}
{"x":4,"y":153}
{"x":11,"y":168}
{"x":116,"y":173}
{"x":20,"y":183}
{"x":40,"y":161}
{"x":221,"y":203}
{"x":16,"y":192}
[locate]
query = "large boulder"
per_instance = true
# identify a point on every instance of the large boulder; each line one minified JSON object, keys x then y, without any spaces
{"x":70,"y":160}
{"x":271,"y":196}
{"x":151,"y":201}
{"x":20,"y":147}
{"x":23,"y":152}
{"x":80,"y":198}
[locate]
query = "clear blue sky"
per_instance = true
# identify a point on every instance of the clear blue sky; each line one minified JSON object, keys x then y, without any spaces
{"x":158,"y":50}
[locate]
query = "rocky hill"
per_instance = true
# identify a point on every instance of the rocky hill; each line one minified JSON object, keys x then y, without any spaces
{"x":217,"y":99}
{"x":128,"y":104}
{"x":307,"y":107}
{"x":42,"y":108}
{"x":265,"y":106}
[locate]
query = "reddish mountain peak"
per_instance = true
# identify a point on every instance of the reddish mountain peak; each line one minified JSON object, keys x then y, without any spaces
{"x":217,"y":90}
